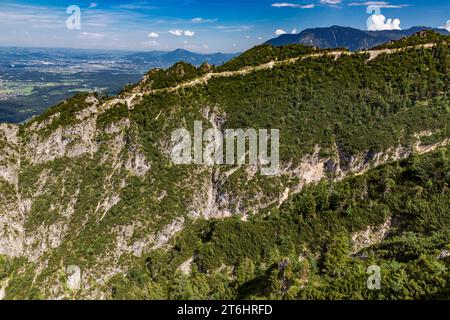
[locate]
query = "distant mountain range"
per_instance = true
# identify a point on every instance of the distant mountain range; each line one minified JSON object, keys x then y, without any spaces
{"x":31,"y":79}
{"x":346,"y":37}
{"x":163,"y":59}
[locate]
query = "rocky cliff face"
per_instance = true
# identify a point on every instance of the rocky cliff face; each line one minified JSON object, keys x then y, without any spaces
{"x":39,"y":202}
{"x":43,"y":181}
{"x":11,"y":221}
{"x":83,"y":190}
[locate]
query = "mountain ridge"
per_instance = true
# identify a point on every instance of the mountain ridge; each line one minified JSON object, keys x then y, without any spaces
{"x":89,"y":185}
{"x":347,"y":37}
{"x":165,"y":59}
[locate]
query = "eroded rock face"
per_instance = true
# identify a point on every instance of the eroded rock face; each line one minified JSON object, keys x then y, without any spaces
{"x":3,"y":286}
{"x":11,"y":236}
{"x":74,"y":277}
{"x":35,"y":151}
{"x":44,"y":212}
{"x":444,"y":254}
{"x":213,"y":200}
{"x":370,"y":236}
{"x":168,"y":231}
{"x":185,"y":267}
{"x":137,"y":163}
{"x":72,"y":141}
{"x":11,"y":218}
{"x":9,"y":156}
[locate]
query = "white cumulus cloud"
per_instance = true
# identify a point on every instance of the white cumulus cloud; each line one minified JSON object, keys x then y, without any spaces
{"x":378,"y":22}
{"x":180,"y":32}
{"x":379,"y":4}
{"x":330,"y":2}
{"x":292,"y":5}
{"x":279,"y":32}
{"x":446,"y":26}
{"x":91,"y":35}
{"x":203,"y":20}
{"x":153,"y":35}
{"x":176,"y":32}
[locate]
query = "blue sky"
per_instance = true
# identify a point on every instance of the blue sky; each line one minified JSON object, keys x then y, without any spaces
{"x":196,"y":25}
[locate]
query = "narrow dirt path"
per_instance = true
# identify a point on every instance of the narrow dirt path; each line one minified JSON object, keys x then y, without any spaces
{"x":132,"y":99}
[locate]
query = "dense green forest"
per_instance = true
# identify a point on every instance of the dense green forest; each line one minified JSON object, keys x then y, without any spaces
{"x":178,"y":73}
{"x":303,"y":250}
{"x":336,"y":109}
{"x":355,"y":104}
{"x":421,"y":38}
{"x":265,"y":53}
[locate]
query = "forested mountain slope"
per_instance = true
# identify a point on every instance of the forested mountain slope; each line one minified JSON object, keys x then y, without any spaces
{"x":92,"y":206}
